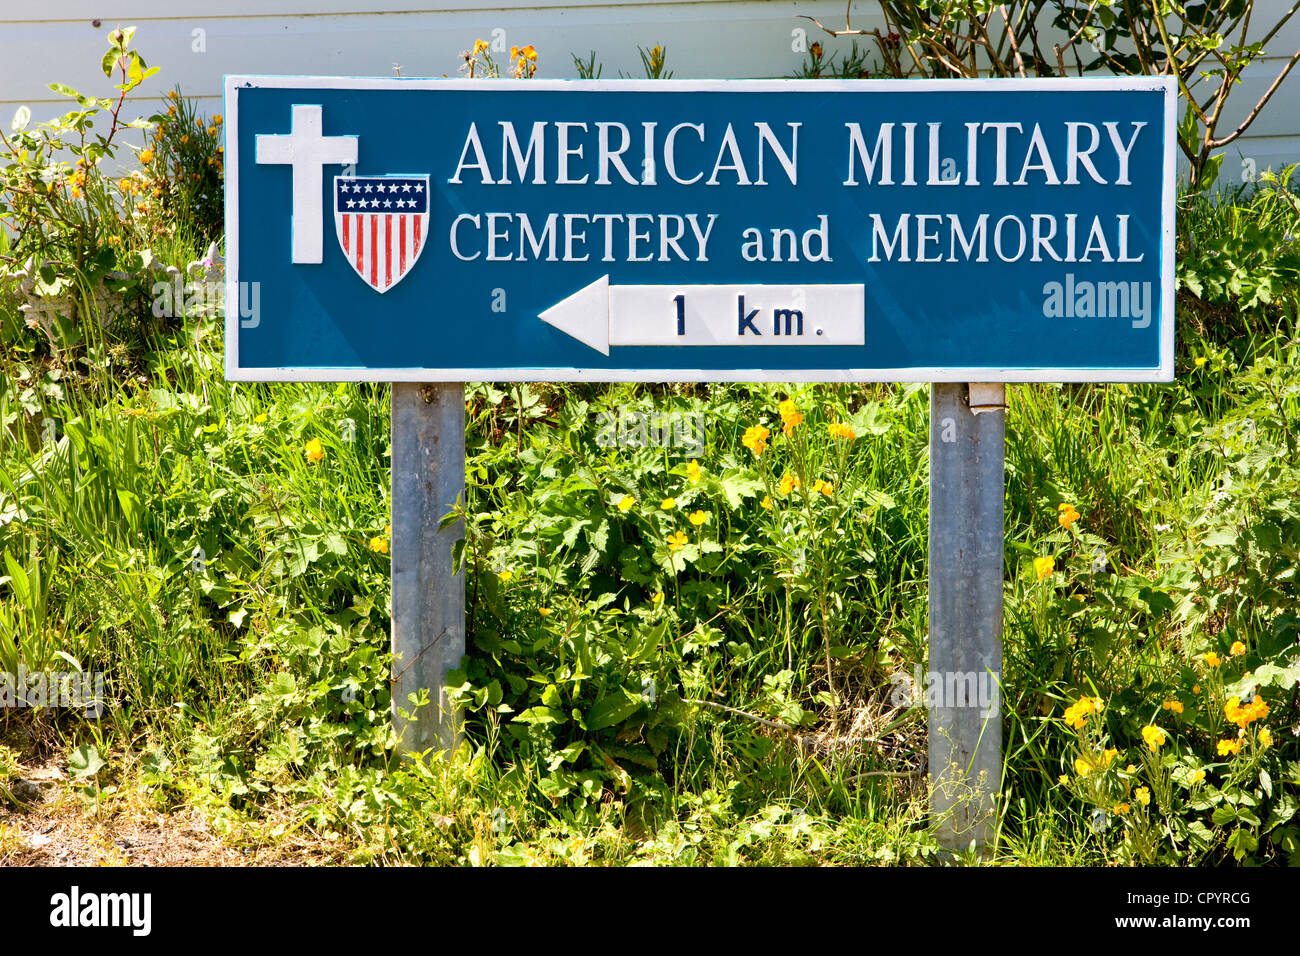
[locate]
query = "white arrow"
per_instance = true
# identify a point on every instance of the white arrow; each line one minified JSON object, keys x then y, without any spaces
{"x":601,"y":315}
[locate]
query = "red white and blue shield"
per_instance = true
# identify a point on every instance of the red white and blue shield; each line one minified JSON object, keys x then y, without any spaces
{"x":382,"y":223}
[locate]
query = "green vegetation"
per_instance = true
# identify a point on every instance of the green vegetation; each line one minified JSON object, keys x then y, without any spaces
{"x":674,"y":659}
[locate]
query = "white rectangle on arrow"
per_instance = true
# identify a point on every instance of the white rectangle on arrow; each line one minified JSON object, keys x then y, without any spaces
{"x":736,"y":315}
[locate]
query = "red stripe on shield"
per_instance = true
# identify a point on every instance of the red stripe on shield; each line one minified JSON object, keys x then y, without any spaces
{"x":388,"y":251}
{"x":346,"y":250}
{"x":361,"y":262}
{"x":374,"y":247}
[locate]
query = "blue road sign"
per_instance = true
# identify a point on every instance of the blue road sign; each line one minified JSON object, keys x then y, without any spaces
{"x":453,"y":230}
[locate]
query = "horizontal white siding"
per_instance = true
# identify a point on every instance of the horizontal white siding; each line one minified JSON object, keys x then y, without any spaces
{"x":49,"y":40}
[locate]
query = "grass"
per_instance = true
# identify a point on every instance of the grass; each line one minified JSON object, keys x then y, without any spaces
{"x":726,"y":702}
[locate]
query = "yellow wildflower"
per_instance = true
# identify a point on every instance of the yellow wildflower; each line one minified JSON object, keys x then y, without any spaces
{"x":1063,"y":780}
{"x":379,"y":545}
{"x":1143,"y":796}
{"x":1198,"y":776}
{"x":841,"y":430}
{"x":766,"y":503}
{"x":1237,"y":649}
{"x":1196,"y":688}
{"x":216,"y":118}
{"x":1200,"y":361}
{"x":1174,"y":705}
{"x":1108,"y":757}
{"x":1243,"y":716}
{"x":172,"y":95}
{"x":693,"y":472}
{"x":1211,"y":658}
{"x":1043,"y":567}
{"x":676,"y":541}
{"x":544,"y":611}
{"x":1083,"y":767}
{"x":480,"y":46}
{"x":790,"y":415}
{"x":506,"y":576}
{"x":146,"y":156}
{"x":825,"y":487}
{"x":1122,"y":808}
{"x":1076,"y":715}
{"x":1066,"y":516}
{"x":1229,"y":747}
{"x":755,"y":438}
{"x":788,"y":484}
{"x":1154,"y":736}
{"x":314,"y":450}
{"x":658,"y":598}
{"x":698,"y":518}
{"x":668,"y":504}
{"x":625,"y":503}
{"x":1265,"y":737}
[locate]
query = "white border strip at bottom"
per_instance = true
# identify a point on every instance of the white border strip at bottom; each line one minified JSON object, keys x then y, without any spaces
{"x":1008,"y":376}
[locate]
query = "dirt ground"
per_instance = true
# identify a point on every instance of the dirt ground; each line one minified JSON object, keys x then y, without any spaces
{"x":58,"y":826}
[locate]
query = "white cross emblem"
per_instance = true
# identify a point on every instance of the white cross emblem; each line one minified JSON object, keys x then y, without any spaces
{"x":307,"y":151}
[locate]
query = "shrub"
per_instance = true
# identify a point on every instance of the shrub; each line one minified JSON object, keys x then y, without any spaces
{"x":185,"y":173}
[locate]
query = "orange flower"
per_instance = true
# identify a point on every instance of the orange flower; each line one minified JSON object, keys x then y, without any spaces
{"x":841,"y":430}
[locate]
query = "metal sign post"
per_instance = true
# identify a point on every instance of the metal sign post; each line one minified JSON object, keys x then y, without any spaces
{"x":428,"y":635}
{"x":706,"y":231}
{"x":967,"y":447}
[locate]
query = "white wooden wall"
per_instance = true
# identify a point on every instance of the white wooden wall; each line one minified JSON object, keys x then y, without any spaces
{"x":195,"y":42}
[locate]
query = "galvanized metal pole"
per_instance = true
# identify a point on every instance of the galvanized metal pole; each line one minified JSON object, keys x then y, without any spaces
{"x":428,"y":599}
{"x":967,"y":454}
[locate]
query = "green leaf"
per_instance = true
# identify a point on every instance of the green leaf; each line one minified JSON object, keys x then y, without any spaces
{"x":132,"y":508}
{"x":22,"y":116}
{"x":282,"y":685}
{"x":738,"y":485}
{"x":541,"y":715}
{"x":614,"y":708}
{"x":85,"y":761}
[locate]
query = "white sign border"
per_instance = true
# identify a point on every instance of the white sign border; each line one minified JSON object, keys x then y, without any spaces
{"x":1163,"y":373}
